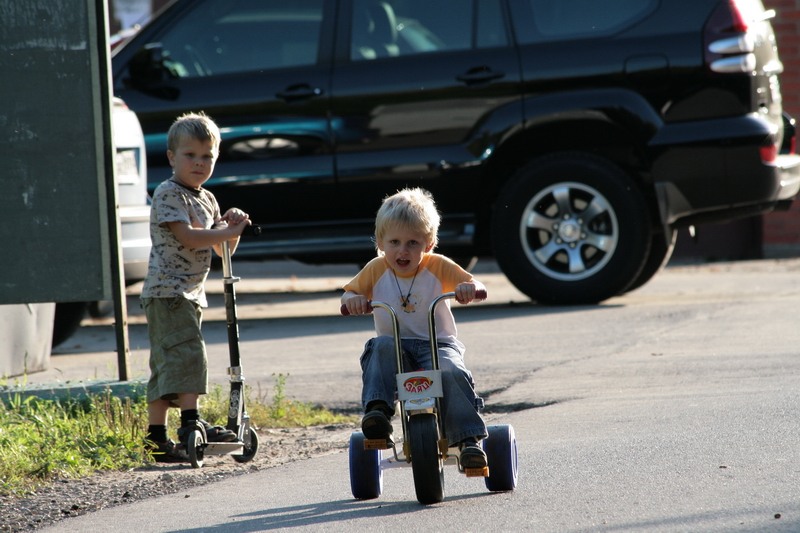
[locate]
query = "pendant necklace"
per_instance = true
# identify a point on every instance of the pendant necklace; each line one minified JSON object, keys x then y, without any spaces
{"x":404,"y":301}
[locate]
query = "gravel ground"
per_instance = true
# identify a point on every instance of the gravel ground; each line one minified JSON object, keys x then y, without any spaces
{"x":65,"y":498}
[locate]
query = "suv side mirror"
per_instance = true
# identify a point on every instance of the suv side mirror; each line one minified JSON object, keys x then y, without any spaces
{"x":149,"y":71}
{"x":147,"y":66}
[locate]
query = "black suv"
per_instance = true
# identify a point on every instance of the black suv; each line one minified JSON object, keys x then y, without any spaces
{"x":567,"y":138}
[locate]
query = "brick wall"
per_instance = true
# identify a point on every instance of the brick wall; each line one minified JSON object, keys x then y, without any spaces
{"x":787,"y":31}
{"x":781,"y":230}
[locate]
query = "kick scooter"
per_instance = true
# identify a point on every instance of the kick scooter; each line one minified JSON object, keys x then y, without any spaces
{"x":425,"y":446}
{"x":246,"y":445}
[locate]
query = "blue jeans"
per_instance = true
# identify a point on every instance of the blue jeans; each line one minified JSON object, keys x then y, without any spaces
{"x":378,"y":366}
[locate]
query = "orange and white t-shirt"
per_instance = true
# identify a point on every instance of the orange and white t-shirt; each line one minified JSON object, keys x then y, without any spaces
{"x":436,"y":275}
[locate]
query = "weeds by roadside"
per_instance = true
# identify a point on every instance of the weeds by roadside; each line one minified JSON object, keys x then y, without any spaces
{"x":45,"y":439}
{"x":276,"y":411}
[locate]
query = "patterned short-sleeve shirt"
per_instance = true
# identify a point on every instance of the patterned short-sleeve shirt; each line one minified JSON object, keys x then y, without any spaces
{"x":173,"y":269}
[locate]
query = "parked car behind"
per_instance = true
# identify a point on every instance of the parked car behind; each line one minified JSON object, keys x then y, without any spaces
{"x":134,"y":214}
{"x":568,"y":138}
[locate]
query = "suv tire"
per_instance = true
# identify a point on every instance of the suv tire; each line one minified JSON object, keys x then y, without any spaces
{"x":67,"y":320}
{"x":571,"y":228}
{"x":661,"y":247}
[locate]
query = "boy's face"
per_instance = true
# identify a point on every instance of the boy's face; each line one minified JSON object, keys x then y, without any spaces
{"x":192,"y":161}
{"x":404,"y":249}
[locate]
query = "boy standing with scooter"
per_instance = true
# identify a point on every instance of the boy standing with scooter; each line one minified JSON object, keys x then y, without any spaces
{"x":409,"y":276}
{"x":185,"y":225}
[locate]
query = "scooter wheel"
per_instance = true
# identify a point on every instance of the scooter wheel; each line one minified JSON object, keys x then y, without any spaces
{"x":194,"y":448}
{"x":366,"y":476}
{"x":501,"y":452}
{"x":250,"y":447}
{"x":426,"y":462}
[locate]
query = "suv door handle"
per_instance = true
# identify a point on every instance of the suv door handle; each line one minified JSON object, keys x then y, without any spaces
{"x":480,"y":74}
{"x":300,"y":91}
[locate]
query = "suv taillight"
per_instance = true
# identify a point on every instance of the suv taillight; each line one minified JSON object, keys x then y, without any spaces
{"x":728,"y":45}
{"x":739,"y":23}
{"x":768,"y":153}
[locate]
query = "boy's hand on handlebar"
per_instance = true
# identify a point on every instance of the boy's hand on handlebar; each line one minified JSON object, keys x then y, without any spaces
{"x":236,"y":219}
{"x":469,"y":290}
{"x":239,"y":227}
{"x":235,"y":216}
{"x":357,"y":304}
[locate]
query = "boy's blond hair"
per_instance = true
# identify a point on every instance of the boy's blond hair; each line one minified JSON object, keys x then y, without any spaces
{"x":412,"y":209}
{"x":194,"y":126}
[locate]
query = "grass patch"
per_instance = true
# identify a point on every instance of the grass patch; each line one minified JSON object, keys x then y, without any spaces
{"x":273,"y":411}
{"x":41,"y":440}
{"x":46,"y":439}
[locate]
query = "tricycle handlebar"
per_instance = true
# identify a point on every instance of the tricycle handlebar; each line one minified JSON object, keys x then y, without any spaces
{"x":479,"y":295}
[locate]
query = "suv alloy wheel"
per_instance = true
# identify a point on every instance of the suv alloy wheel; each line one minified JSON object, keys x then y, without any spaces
{"x":570,"y":228}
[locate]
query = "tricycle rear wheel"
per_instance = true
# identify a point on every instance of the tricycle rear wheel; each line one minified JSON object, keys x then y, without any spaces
{"x":366,"y":477}
{"x":501,"y":452}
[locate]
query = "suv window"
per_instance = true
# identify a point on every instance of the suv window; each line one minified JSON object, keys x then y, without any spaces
{"x":537,"y":21}
{"x":405,"y":27}
{"x":244,"y":35}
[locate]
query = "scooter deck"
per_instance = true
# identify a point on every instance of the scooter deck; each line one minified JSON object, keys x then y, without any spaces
{"x":224,"y":448}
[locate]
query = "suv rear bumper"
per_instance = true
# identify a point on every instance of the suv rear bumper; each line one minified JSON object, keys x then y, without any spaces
{"x":711,"y":170}
{"x":789,"y":172}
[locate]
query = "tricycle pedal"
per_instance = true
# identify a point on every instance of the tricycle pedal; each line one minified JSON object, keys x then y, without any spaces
{"x":477,"y":472}
{"x":378,"y":444}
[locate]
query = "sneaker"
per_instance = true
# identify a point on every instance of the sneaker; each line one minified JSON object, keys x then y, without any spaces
{"x":185,"y":431}
{"x":471,"y":454}
{"x":376,"y":425}
{"x":218,"y":433}
{"x":166,"y":452}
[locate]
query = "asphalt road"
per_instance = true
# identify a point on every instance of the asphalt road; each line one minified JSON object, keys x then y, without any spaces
{"x":673,"y":408}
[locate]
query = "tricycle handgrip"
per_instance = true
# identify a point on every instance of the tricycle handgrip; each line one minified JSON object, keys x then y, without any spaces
{"x":345,"y":312}
{"x":481,"y":294}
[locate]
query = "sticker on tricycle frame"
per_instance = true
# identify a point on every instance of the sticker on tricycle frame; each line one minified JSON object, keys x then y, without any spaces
{"x":420,"y":384}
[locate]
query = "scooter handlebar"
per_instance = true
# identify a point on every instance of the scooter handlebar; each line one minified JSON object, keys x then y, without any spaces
{"x":479,"y":295}
{"x":253,"y":230}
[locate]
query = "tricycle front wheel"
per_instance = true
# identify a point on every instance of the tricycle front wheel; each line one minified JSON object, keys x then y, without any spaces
{"x":426,"y":462}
